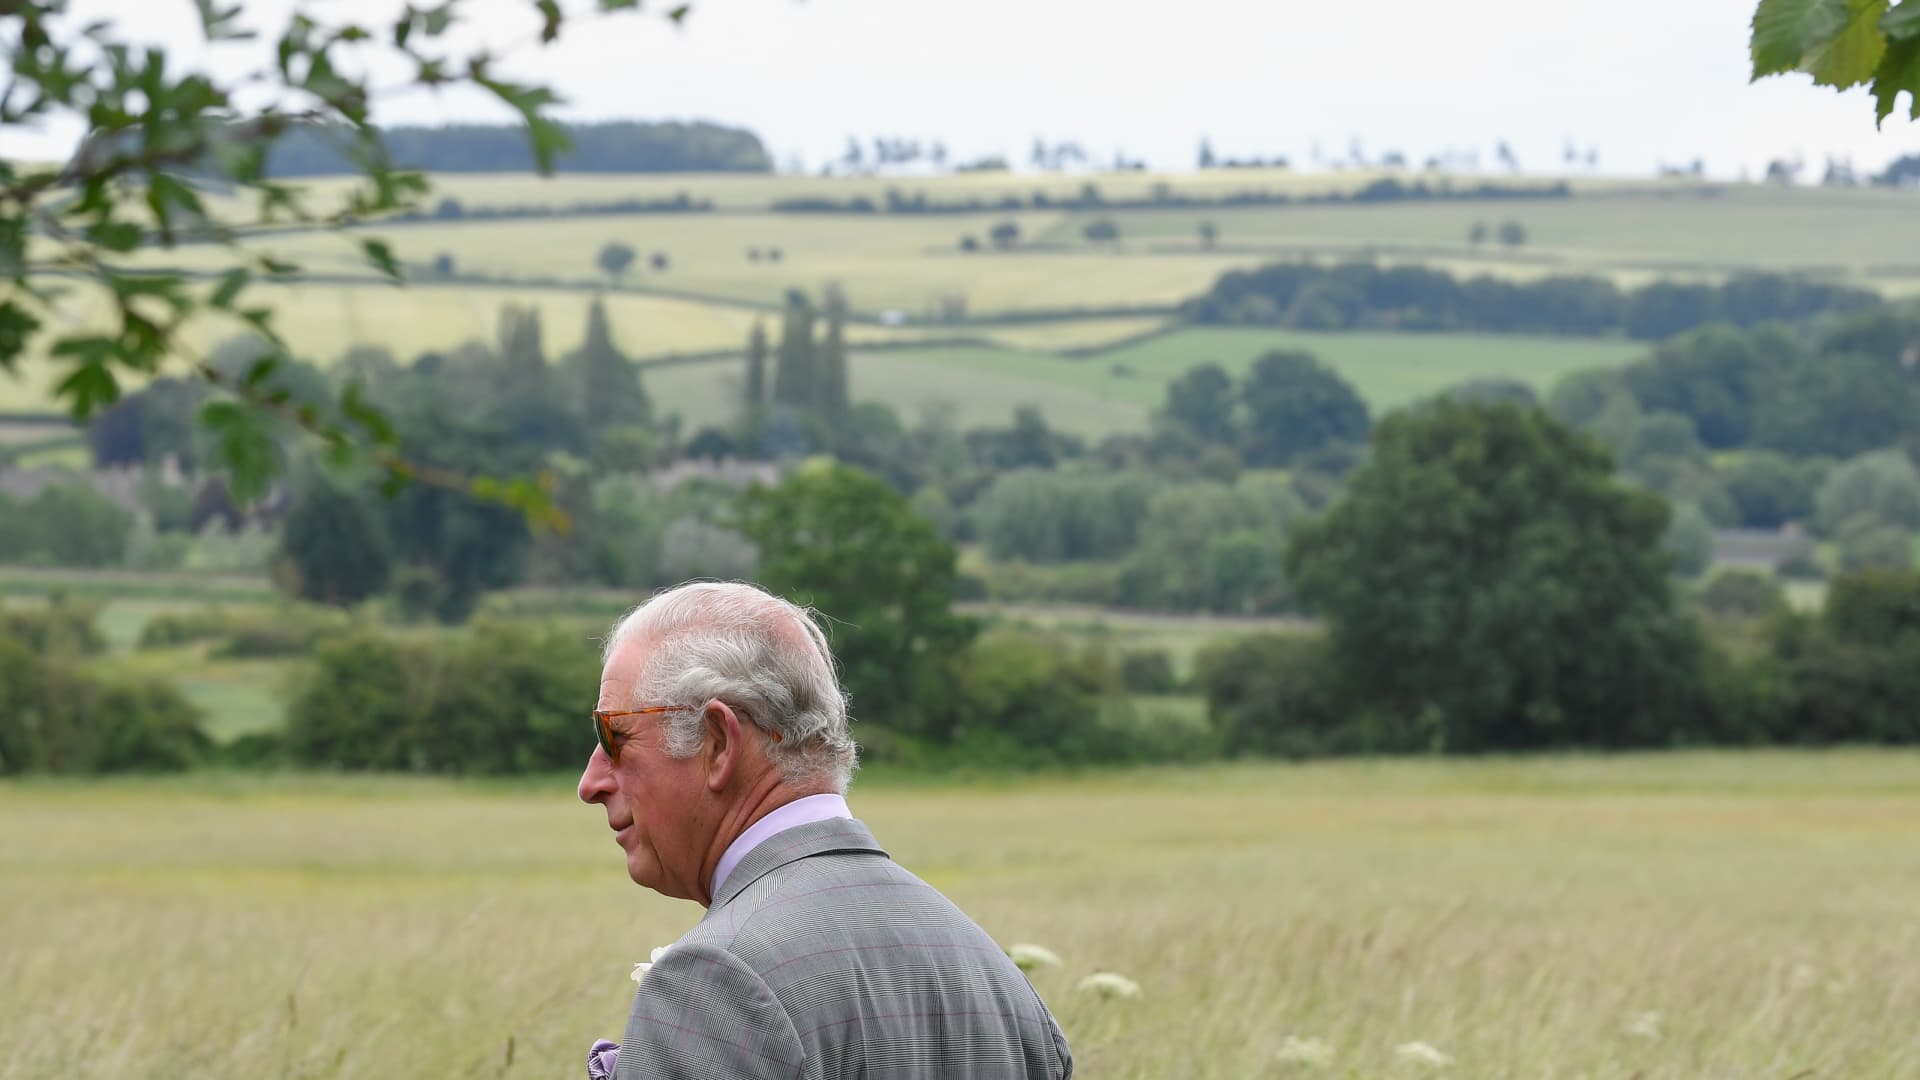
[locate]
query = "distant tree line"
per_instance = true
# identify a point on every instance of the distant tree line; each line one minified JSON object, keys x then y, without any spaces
{"x":1163,"y":196}
{"x":623,"y":146}
{"x":1362,"y":295}
{"x":452,"y":209}
{"x":1814,"y":428}
{"x":1901,"y":172}
{"x":1488,"y":585}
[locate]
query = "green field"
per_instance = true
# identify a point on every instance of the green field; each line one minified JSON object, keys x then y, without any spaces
{"x":1116,"y":390}
{"x":1672,"y":916}
{"x":1843,"y":231}
{"x":901,"y":271}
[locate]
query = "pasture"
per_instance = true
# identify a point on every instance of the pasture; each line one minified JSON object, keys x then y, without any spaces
{"x":1674,"y":916}
{"x":909,"y":270}
{"x":1116,"y":389}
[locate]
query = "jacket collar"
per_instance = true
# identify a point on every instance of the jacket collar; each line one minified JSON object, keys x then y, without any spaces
{"x":834,"y":836}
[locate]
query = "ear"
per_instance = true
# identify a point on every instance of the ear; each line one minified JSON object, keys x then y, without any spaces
{"x":724,"y":744}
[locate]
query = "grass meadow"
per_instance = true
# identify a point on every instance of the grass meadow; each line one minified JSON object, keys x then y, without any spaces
{"x":1681,"y":915}
{"x":1117,"y":389}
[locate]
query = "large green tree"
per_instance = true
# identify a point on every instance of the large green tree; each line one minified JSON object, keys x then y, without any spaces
{"x":1295,"y":405}
{"x":845,"y":543}
{"x":1488,"y":584}
{"x":1200,"y":402}
{"x":1838,"y":405}
{"x":334,"y":545}
{"x":456,"y":544}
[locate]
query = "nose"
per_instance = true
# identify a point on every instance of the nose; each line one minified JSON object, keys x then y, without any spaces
{"x":596,"y":782}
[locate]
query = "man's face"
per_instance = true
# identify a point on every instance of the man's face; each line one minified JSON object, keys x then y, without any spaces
{"x":658,"y":806}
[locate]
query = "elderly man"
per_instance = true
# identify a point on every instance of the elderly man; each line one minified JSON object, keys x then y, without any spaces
{"x":723,"y":763}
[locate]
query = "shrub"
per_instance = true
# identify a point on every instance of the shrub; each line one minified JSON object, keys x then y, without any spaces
{"x":497,"y":699}
{"x":65,"y":524}
{"x":1742,"y":594}
{"x":1867,"y":543}
{"x":56,"y":718}
{"x":1884,"y":485}
{"x":356,"y":708}
{"x":1028,"y":698}
{"x":63,"y":627}
{"x":1801,"y":565}
{"x":1853,"y":672}
{"x":184,"y":628}
{"x":281,"y":632}
{"x":1276,"y":693}
{"x":1157,"y":730}
{"x":1148,"y":671}
{"x":1689,"y":539}
{"x":1769,"y":489}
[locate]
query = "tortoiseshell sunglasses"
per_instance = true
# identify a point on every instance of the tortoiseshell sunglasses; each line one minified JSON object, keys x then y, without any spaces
{"x":603,"y":730}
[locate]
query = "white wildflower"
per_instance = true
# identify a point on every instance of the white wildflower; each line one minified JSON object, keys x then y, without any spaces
{"x":1419,"y":1053}
{"x":1644,"y":1025}
{"x":1110,"y":985}
{"x":1306,"y":1053}
{"x":640,"y":970}
{"x":1026,"y":957}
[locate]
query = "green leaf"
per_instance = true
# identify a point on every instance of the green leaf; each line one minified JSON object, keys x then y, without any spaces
{"x":381,"y":256}
{"x":1902,"y":23}
{"x":165,"y":196}
{"x":435,"y":21}
{"x":355,"y":407}
{"x":17,"y":325}
{"x":215,"y":20}
{"x":115,"y":236}
{"x":550,"y":19}
{"x":262,"y":369}
{"x":1836,"y":41}
{"x":532,"y":497}
{"x":1899,"y":70}
{"x":619,"y":5}
{"x":547,"y":137}
{"x":13,"y":244}
{"x":242,"y":441}
{"x":91,"y":384}
{"x":231,"y":283}
{"x":1851,"y":57}
{"x":679,"y":14}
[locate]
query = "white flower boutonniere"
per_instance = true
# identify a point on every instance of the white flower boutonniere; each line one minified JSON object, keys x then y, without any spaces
{"x":640,"y":970}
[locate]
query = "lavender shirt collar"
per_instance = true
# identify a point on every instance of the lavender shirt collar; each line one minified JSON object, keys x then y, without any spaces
{"x":793,"y":815}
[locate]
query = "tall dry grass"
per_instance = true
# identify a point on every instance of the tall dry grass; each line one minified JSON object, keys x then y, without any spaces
{"x":1718,"y":915}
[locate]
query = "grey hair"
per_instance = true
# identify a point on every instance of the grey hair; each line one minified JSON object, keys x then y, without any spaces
{"x":762,"y":655}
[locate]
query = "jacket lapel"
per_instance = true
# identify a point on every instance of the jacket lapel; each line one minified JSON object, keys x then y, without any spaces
{"x":833,"y":836}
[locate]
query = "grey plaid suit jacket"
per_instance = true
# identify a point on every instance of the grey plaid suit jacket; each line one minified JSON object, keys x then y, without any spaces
{"x":821,"y":957}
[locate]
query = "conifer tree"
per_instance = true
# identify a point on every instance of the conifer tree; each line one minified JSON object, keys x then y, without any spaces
{"x":793,"y":376}
{"x":756,"y":389}
{"x":609,"y":383}
{"x":831,"y":377}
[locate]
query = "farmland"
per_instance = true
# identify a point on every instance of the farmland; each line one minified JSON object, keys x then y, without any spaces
{"x":1649,"y":916}
{"x":721,"y":274}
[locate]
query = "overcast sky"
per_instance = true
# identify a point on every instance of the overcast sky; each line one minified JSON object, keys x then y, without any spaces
{"x":1646,"y":82}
